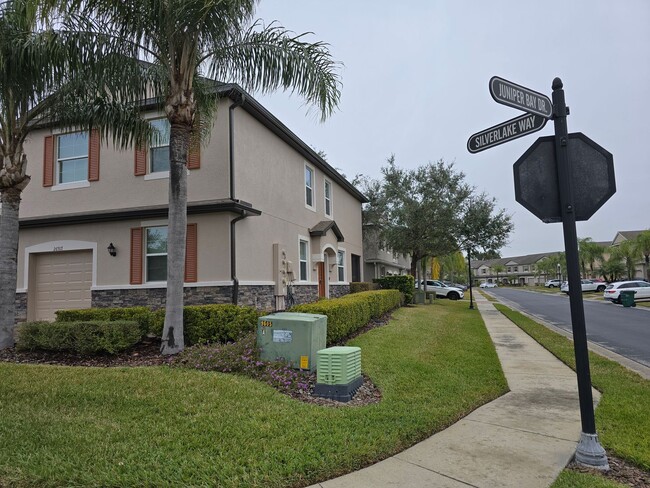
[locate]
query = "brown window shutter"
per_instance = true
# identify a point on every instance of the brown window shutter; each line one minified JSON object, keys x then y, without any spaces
{"x":48,"y":161}
{"x":93,"y":156}
{"x":191,"y":272}
{"x":140,"y":161}
{"x":194,"y":157}
{"x":136,"y":256}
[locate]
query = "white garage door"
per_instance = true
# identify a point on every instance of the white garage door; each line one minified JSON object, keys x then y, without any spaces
{"x":62,"y":280}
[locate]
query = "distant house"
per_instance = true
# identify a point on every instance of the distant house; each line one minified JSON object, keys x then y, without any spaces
{"x":518,"y":270}
{"x":380,"y":261}
{"x":630,"y":235}
{"x":522,"y":270}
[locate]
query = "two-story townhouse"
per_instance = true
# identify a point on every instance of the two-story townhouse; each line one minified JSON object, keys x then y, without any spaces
{"x":380,"y":261}
{"x":629,"y":235}
{"x":521,"y":270}
{"x":262,"y":208}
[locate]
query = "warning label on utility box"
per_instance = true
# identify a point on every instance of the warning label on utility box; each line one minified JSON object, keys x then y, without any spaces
{"x":282,"y":336}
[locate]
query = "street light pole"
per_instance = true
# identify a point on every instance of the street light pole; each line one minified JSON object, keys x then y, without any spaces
{"x":559,"y":272}
{"x":469,"y":274}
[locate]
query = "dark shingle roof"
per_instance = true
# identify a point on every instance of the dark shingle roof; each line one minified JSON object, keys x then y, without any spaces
{"x":321,"y":228}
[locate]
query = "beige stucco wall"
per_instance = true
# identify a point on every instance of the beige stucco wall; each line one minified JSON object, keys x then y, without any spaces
{"x":212,"y":234}
{"x":118,"y":187}
{"x":269,"y":175}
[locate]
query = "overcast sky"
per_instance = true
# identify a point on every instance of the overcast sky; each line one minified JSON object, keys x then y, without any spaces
{"x":415,"y":84}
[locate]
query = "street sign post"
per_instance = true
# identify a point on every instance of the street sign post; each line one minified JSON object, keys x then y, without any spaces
{"x":591,"y":173}
{"x":505,"y":132}
{"x":508,"y":93}
{"x":589,"y":450}
{"x":562,"y":178}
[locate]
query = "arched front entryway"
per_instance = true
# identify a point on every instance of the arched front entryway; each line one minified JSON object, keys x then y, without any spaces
{"x":324,"y":266}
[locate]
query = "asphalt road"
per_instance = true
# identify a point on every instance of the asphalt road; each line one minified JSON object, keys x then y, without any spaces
{"x":626,"y":331}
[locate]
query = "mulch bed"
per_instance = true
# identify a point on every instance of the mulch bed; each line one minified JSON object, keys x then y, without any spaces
{"x":147,"y":353}
{"x":619,"y":471}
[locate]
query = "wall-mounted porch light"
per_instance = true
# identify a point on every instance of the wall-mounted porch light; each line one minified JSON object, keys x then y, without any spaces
{"x":111,"y":250}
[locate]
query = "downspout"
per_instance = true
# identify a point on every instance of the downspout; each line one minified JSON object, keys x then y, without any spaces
{"x":231,"y":141}
{"x":233,"y":236}
{"x":233,"y":257}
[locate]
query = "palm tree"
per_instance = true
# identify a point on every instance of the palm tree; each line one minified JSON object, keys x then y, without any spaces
{"x":498,"y":268}
{"x":184,"y":40}
{"x":45,"y":76}
{"x":642,"y":246}
{"x":628,"y":254}
{"x":589,"y":252}
{"x":614,"y":267}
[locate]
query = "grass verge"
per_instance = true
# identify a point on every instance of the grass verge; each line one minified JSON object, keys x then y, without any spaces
{"x":622,"y":416}
{"x":160,"y":426}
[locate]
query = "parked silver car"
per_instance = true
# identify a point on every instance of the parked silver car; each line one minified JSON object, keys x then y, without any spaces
{"x":587,"y":285}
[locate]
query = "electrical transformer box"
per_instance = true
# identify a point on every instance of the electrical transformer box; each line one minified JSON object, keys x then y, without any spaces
{"x":295,"y":337}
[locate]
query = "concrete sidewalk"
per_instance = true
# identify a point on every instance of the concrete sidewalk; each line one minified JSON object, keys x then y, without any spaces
{"x":522,"y":439}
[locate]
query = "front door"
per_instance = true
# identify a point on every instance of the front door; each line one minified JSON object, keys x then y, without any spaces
{"x":321,"y":279}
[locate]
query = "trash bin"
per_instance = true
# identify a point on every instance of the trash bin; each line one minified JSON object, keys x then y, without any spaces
{"x":627,"y":298}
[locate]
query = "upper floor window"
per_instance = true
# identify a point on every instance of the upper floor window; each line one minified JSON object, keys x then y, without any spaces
{"x":159,"y":151}
{"x":72,"y":157}
{"x":328,"y":198}
{"x":156,"y":253}
{"x":304,"y":252}
{"x":340,"y":264}
{"x":309,"y":186}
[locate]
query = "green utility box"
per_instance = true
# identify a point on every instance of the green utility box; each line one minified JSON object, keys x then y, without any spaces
{"x":338,"y":365}
{"x":627,"y":298}
{"x":295,"y":337}
{"x":338,"y":375}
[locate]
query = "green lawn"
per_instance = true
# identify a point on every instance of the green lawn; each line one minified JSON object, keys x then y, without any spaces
{"x":622,"y":418}
{"x":160,"y":426}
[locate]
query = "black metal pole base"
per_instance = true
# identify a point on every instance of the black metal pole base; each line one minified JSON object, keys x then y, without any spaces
{"x":590,"y":453}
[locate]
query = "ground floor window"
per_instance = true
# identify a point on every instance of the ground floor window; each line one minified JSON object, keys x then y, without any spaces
{"x":156,"y":253}
{"x":303,"y":261}
{"x":340,"y":263}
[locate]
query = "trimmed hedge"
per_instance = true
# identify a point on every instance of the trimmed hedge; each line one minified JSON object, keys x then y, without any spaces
{"x":350,"y":313}
{"x":403,"y":283}
{"x":141,"y":315}
{"x":360,"y":286}
{"x":211,"y":323}
{"x":83,"y":337}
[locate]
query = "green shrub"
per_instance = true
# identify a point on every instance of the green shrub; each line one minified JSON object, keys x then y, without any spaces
{"x":141,"y":315}
{"x":83,"y":337}
{"x":360,"y":286}
{"x":211,"y":323}
{"x":350,"y":313}
{"x":403,"y":283}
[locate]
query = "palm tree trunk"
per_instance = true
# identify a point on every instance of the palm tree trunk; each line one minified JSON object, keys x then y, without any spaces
{"x":172,"y":338}
{"x":8,"y":264}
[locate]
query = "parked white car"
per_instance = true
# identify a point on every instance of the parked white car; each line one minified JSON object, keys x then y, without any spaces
{"x":613,"y":290}
{"x":485,"y":284}
{"x":553,"y":283}
{"x":587,"y":285}
{"x":442,"y":290}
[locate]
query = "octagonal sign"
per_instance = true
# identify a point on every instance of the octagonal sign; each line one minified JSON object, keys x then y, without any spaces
{"x":592,"y":178}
